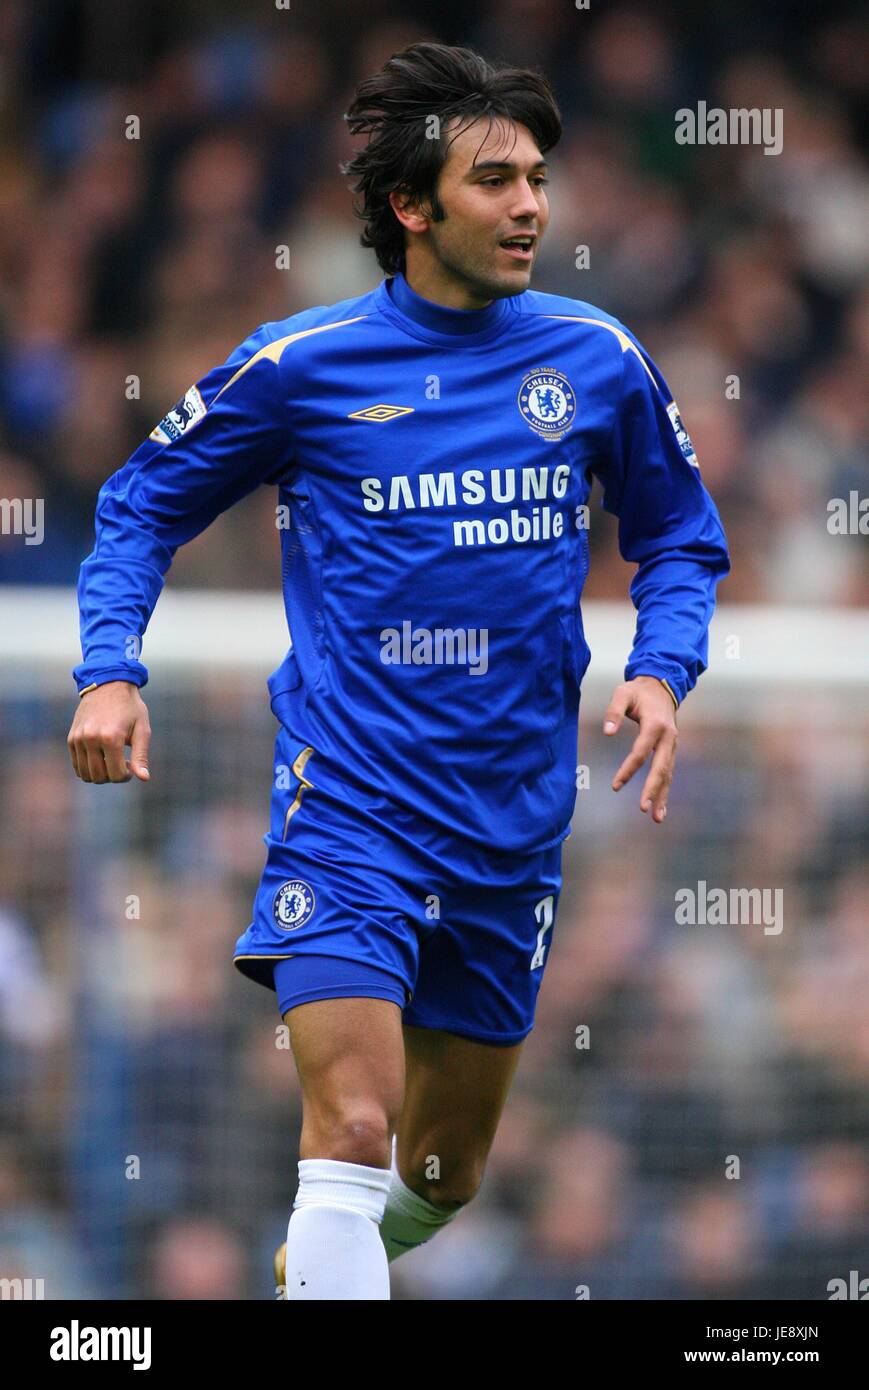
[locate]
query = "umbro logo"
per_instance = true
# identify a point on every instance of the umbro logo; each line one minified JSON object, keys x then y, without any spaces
{"x":379,"y":413}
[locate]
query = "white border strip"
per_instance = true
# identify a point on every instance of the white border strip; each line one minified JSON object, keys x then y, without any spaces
{"x":197,"y":631}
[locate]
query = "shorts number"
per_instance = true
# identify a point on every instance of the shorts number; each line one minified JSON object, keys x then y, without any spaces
{"x":545,"y":914}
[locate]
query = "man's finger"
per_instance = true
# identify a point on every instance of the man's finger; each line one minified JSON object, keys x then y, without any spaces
{"x":657,"y":787}
{"x":73,"y":754}
{"x":81,"y":758}
{"x":643,"y":745}
{"x":139,"y":744}
{"x":113,"y":752}
{"x":96,"y":763}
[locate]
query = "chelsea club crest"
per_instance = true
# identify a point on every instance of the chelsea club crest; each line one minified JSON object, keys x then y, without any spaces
{"x":294,"y":903}
{"x":547,"y":401}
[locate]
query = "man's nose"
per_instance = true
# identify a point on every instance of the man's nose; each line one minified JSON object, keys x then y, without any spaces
{"x":525,"y":203}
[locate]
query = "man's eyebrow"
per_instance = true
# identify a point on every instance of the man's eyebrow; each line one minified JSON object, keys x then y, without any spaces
{"x":502,"y":164}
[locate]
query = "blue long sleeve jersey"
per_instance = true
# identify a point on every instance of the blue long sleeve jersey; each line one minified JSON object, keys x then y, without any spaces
{"x":433,"y":467}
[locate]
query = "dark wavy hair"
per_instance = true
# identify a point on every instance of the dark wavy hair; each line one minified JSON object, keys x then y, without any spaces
{"x":394,"y":107}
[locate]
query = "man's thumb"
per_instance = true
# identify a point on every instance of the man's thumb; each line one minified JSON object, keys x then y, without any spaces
{"x":139,"y":742}
{"x":616,"y":710}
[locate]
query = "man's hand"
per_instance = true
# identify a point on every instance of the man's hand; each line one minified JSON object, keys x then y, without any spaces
{"x":647,"y":702}
{"x":106,"y":721}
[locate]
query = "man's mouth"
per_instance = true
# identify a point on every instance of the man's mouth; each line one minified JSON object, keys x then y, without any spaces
{"x":519,"y":247}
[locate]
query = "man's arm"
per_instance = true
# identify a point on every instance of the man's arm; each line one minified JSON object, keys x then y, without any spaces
{"x":670,"y":528}
{"x":229,"y":433}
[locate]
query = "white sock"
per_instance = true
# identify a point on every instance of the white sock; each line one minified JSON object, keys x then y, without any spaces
{"x":334,"y":1250}
{"x":409,"y":1220}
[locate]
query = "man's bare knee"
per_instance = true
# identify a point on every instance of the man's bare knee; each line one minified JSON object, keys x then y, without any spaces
{"x":351,"y":1117}
{"x":355,"y":1133}
{"x":350,"y":1058}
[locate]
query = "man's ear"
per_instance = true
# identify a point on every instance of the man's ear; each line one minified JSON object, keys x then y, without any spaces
{"x":409,"y":211}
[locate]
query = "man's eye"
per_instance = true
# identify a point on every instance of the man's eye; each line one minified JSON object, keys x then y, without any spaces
{"x":495,"y":181}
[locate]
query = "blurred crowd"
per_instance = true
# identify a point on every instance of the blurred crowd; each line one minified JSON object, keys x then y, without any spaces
{"x":706,"y":1137}
{"x":148,"y":1120}
{"x":130,"y":266}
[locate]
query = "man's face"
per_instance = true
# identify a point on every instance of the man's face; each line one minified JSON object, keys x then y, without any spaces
{"x":492,"y":190}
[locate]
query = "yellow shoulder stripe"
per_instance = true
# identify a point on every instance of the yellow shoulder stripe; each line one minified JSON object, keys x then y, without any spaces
{"x":623,"y":338}
{"x":274,"y":351}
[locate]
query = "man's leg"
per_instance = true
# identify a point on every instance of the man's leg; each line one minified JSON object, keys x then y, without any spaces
{"x":454,"y":1096}
{"x":349,"y":1053}
{"x":479,"y":974}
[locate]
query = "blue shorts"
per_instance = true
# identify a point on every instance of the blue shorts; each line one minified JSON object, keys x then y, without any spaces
{"x":372,"y":899}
